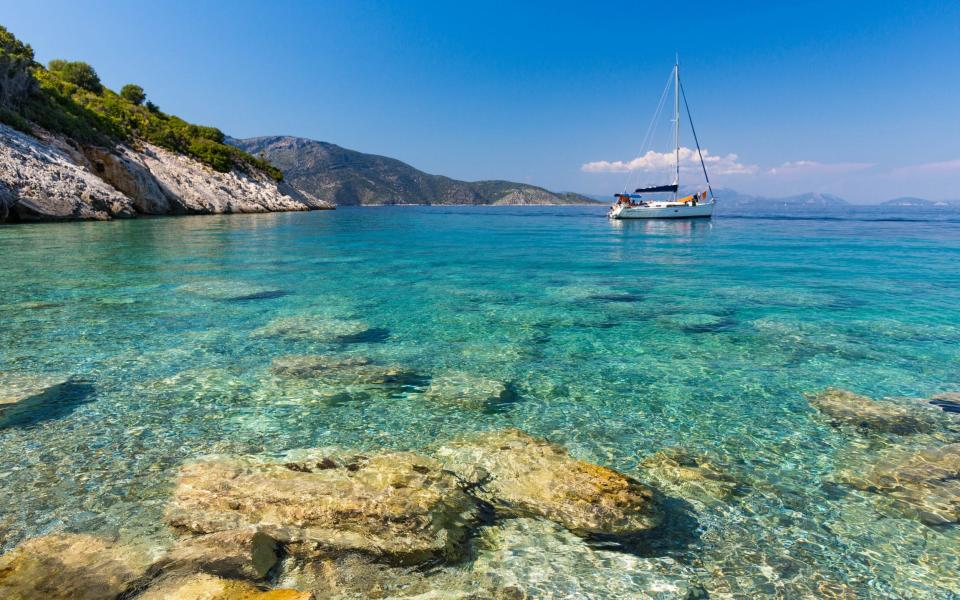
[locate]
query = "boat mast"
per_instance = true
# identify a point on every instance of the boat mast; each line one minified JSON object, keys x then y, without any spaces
{"x":676,"y":120}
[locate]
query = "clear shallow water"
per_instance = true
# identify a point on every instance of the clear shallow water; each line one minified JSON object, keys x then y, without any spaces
{"x":614,"y":339}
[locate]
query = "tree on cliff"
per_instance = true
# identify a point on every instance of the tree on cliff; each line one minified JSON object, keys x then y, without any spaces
{"x":133,"y":92}
{"x":78,"y":73}
{"x":13,"y":47}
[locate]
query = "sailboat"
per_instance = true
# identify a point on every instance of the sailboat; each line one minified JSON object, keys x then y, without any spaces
{"x":696,"y":205}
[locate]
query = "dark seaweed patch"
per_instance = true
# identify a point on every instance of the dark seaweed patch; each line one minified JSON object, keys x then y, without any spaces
{"x":624,"y":297}
{"x":724,"y":324}
{"x":949,"y":406}
{"x":53,"y":403}
{"x":507,"y":398}
{"x":267,"y":295}
{"x":374,"y":335}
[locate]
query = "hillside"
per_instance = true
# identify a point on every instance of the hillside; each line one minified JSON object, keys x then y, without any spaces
{"x":70,"y":148}
{"x":732,"y":201}
{"x":341,"y":176}
{"x":911,"y":201}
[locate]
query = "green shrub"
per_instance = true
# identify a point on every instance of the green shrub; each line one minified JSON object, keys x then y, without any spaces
{"x":8,"y":117}
{"x":78,"y":73}
{"x":133,"y":93}
{"x":13,"y":47}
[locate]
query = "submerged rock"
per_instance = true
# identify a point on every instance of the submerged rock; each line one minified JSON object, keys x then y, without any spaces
{"x":238,"y":554}
{"x":69,"y":567}
{"x":223,"y":289}
{"x":399,"y":505}
{"x":315,"y":328}
{"x":358,"y":576}
{"x":525,"y":476}
{"x":344,"y":370}
{"x":209,"y":587}
{"x":846,"y":408}
{"x":691,"y":475}
{"x":314,"y":365}
{"x":535,"y":558}
{"x":466,"y":390}
{"x":695,"y":322}
{"x":924,"y":485}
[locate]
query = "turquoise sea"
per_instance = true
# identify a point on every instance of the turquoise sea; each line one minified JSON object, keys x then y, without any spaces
{"x":615,"y":339}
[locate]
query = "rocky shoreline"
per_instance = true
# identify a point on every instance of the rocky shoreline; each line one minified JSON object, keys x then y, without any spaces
{"x":52,"y":178}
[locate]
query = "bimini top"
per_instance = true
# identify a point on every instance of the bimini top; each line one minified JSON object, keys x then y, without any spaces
{"x":658,"y":188}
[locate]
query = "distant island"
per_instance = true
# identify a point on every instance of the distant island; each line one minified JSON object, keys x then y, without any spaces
{"x":346,"y":177}
{"x":731,"y":201}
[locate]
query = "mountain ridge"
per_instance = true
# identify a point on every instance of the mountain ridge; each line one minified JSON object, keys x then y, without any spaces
{"x":343,"y":176}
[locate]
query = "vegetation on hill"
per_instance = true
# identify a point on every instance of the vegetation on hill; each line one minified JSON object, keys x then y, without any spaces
{"x":67,"y":97}
{"x":342,"y":176}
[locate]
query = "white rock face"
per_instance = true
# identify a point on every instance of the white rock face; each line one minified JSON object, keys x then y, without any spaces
{"x":39,"y":182}
{"x":49,"y":179}
{"x":198,"y":189}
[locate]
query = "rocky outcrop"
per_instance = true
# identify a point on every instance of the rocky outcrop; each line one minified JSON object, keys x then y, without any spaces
{"x":69,"y":567}
{"x":689,"y":475}
{"x":132,"y":178}
{"x":236,"y":554}
{"x":342,"y":370}
{"x":522,"y":475}
{"x":399,"y":506}
{"x":924,"y":485}
{"x":209,"y":587}
{"x":40,"y":182}
{"x":467,"y":390}
{"x":356,"y":576}
{"x":317,"y":328}
{"x":846,"y":408}
{"x":50,"y":178}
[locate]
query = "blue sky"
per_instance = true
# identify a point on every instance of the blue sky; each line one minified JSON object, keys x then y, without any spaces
{"x":856,"y":99}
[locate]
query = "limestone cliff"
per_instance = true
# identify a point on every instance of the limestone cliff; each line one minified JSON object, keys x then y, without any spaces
{"x":52,"y":178}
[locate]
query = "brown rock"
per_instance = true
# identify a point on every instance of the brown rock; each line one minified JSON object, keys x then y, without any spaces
{"x":691,"y":475}
{"x":924,"y":485}
{"x":846,"y":408}
{"x":335,"y":370}
{"x":235,"y":554}
{"x":526,"y":476}
{"x":397,"y":505}
{"x":318,"y":328}
{"x":69,"y":567}
{"x":466,"y":390}
{"x":209,"y":587}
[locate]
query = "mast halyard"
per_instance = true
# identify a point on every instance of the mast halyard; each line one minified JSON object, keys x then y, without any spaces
{"x":676,"y":121}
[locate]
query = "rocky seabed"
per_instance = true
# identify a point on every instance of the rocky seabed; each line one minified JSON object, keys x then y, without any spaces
{"x":489,"y":515}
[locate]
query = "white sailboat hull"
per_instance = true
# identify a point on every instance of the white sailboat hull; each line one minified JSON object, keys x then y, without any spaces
{"x":662,"y":210}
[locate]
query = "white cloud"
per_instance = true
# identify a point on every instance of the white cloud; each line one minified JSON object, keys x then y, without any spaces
{"x":813,"y":167}
{"x":658,"y":161}
{"x":943,"y":166}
